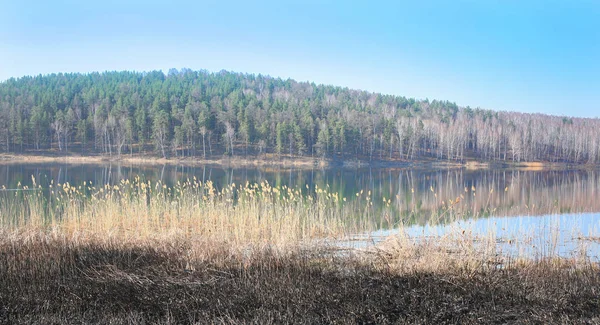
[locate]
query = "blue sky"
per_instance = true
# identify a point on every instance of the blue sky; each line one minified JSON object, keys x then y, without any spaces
{"x":528,"y":56}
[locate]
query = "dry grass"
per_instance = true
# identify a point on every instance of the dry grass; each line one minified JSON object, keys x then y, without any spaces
{"x":52,"y":279}
{"x":149,"y":160}
{"x":140,"y":253}
{"x":473,"y":165}
{"x":137,"y":210}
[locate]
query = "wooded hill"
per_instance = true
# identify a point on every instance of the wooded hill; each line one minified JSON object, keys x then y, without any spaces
{"x":198,"y":113}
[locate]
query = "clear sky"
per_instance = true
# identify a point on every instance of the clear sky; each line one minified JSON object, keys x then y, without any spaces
{"x":528,"y":56}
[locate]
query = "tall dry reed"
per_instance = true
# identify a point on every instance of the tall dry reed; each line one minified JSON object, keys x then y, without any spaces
{"x":137,"y":209}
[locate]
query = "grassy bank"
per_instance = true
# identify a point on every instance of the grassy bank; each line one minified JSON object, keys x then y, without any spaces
{"x":250,"y":161}
{"x":267,"y":160}
{"x":47,"y":279}
{"x":281,"y":161}
{"x":145,"y":253}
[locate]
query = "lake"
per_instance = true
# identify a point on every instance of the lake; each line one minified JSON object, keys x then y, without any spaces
{"x":561,"y":207}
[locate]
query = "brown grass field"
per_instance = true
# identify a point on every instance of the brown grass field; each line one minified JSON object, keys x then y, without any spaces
{"x":143,"y":253}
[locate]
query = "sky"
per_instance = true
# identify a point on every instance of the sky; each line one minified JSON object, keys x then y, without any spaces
{"x":527,"y":56}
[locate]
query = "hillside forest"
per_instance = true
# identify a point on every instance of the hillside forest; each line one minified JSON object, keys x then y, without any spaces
{"x":187,"y":113}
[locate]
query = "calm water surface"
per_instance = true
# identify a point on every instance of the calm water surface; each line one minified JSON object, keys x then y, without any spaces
{"x":556,"y":206}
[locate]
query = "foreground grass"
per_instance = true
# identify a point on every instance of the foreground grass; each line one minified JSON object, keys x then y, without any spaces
{"x":143,"y":253}
{"x":48,"y":278}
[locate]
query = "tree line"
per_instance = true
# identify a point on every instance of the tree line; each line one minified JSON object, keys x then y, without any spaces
{"x":189,"y":113}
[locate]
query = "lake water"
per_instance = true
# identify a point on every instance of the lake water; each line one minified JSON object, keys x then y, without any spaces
{"x":561,"y":206}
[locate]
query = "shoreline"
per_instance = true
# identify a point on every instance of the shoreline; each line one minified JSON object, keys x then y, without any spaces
{"x":299,"y":162}
{"x":49,"y":279}
{"x":271,"y":160}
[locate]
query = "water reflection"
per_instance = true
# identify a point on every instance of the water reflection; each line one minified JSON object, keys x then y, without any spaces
{"x":415,"y":195}
{"x":565,"y":235}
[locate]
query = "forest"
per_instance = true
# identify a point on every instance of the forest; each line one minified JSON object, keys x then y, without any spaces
{"x":202,"y":114}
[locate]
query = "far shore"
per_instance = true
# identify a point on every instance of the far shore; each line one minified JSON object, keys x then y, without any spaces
{"x":296,"y":162}
{"x":273,"y":160}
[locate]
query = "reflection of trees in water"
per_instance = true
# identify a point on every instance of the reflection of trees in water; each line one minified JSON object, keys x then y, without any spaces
{"x":499,"y":193}
{"x":416,"y":194}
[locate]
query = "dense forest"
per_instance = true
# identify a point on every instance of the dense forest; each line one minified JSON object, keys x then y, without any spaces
{"x":197,"y":113}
